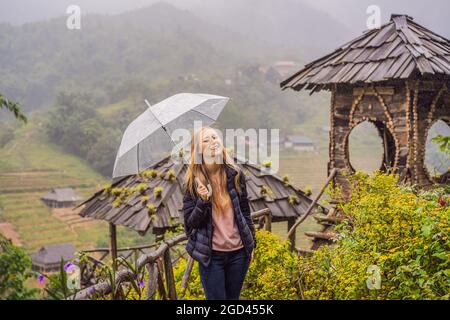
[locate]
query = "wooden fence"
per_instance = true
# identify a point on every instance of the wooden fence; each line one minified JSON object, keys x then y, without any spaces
{"x":98,"y":258}
{"x":159,"y":265}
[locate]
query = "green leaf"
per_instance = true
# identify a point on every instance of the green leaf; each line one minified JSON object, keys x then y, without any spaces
{"x":440,"y":255}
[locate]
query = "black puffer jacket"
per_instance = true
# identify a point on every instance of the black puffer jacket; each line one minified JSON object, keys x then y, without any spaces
{"x":198,"y":220}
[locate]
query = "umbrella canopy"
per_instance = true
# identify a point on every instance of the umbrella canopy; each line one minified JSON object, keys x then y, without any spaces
{"x":148,"y":139}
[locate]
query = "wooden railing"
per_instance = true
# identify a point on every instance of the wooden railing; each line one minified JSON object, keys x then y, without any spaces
{"x":159,"y":265}
{"x":312,"y":205}
{"x":87,"y":270}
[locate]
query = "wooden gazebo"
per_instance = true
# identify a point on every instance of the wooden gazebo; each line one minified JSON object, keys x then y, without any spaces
{"x":152,"y":200}
{"x":397,"y":77}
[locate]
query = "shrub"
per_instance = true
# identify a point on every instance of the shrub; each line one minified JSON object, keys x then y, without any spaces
{"x":403,"y":233}
{"x":194,"y":290}
{"x":273,"y":273}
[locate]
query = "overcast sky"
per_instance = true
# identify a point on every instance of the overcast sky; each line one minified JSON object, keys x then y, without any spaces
{"x":431,"y":13}
{"x":352,"y":13}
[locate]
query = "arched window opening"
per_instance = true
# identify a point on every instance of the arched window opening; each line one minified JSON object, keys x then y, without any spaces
{"x":365,"y":148}
{"x":437,"y":162}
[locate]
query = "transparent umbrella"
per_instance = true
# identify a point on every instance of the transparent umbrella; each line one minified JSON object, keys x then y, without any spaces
{"x":148,"y":138}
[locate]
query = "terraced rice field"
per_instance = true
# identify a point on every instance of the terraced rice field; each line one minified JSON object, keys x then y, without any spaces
{"x":35,"y":223}
{"x":31,"y":167}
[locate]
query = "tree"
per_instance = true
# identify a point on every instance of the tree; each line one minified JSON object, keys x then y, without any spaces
{"x":102,"y":153}
{"x":73,"y":123}
{"x":15,"y":267}
{"x":13,"y":107}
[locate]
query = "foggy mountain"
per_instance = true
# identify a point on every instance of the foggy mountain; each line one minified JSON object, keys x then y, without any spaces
{"x":153,"y":44}
{"x":292,"y":25}
{"x":154,"y":40}
{"x":352,"y":13}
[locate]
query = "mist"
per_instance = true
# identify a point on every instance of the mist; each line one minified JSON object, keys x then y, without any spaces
{"x":351,"y":13}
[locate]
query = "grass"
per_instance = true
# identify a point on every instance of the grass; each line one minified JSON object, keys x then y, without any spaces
{"x":31,"y":166}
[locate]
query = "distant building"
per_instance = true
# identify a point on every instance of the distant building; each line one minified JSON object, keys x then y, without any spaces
{"x":323,"y":129}
{"x":278,"y":70}
{"x":61,"y":198}
{"x":276,"y":140}
{"x":299,"y":143}
{"x":285,"y":68}
{"x":48,"y":258}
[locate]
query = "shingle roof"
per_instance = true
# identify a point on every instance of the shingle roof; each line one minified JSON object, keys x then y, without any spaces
{"x":133,"y":213}
{"x":53,"y":253}
{"x":62,"y":194}
{"x":396,"y":50}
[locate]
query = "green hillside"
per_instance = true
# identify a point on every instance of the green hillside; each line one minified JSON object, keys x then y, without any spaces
{"x":29,"y":167}
{"x":156,"y":43}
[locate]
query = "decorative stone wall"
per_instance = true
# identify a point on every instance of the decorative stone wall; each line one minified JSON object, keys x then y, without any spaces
{"x":402,"y":112}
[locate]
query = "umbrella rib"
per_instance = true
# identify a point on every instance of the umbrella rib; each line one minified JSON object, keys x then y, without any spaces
{"x":203,"y":114}
{"x":150,"y":108}
{"x":162,"y":126}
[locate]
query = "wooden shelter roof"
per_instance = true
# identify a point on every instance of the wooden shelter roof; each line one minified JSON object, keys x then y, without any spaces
{"x":62,"y":194}
{"x":53,"y":253}
{"x":396,"y":50}
{"x":133,"y":213}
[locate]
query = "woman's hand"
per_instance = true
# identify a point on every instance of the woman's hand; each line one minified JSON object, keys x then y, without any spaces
{"x":202,"y":191}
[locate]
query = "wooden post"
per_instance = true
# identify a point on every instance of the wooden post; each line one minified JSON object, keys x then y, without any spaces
{"x":161,"y":289}
{"x":152,"y":280}
{"x":268,"y":223}
{"x":386,"y":148}
{"x":113,"y":244}
{"x":313,"y":204}
{"x":170,"y":278}
{"x":187,"y":273}
{"x":292,"y":238}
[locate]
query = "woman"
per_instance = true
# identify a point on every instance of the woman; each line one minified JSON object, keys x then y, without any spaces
{"x":217,"y":217}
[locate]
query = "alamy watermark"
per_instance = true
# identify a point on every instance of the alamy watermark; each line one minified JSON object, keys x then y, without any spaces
{"x":73,"y":21}
{"x":374,"y":19}
{"x":73,"y":276}
{"x":373,"y":282}
{"x":256,"y":146}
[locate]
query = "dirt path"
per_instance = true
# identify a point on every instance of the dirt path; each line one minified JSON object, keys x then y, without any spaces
{"x":8,"y":231}
{"x":22,"y":141}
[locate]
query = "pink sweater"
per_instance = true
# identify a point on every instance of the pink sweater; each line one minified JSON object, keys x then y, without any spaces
{"x":226,"y":235}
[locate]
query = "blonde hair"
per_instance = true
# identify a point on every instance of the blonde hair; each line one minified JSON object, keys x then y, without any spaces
{"x":220,"y":197}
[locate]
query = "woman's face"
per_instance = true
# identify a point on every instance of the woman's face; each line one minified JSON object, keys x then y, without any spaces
{"x":211,"y":144}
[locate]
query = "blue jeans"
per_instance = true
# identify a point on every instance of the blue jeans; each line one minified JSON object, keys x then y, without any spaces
{"x":223,"y":278}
